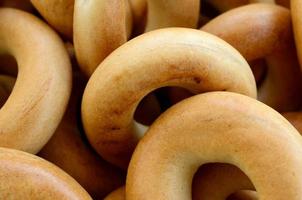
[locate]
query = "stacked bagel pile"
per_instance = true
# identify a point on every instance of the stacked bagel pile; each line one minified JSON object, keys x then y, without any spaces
{"x":151,"y":99}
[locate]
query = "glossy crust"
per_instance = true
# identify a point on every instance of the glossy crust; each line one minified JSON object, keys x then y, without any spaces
{"x":273,"y":41}
{"x":180,"y":57}
{"x":296,"y":13}
{"x":25,"y":176}
{"x":99,"y":28}
{"x":28,"y":118}
{"x":204,"y":129}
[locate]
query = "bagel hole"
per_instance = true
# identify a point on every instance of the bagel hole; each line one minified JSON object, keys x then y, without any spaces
{"x":259,"y":69}
{"x":212,"y":177}
{"x":157,"y":102}
{"x":8,"y":74}
{"x":8,"y":65}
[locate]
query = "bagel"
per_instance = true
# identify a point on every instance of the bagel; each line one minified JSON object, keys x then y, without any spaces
{"x":58,"y":13}
{"x":69,"y":151}
{"x":25,"y":176}
{"x":99,"y":28}
{"x":168,"y":57}
{"x":296,"y":13}
{"x":204,"y":129}
{"x":28,"y":118}
{"x":282,"y":85}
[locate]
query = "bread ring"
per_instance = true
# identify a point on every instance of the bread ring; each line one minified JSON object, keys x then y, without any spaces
{"x":207,"y":130}
{"x":99,"y":28}
{"x":28,"y":118}
{"x":171,"y":57}
{"x":58,"y":13}
{"x":25,"y":176}
{"x":282,"y":86}
{"x":296,"y":13}
{"x":68,"y":151}
{"x":218,"y":181}
{"x":244,"y":195}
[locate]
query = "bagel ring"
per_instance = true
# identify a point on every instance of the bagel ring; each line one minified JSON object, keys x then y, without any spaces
{"x":58,"y":13}
{"x":26,"y":176}
{"x":168,"y":57}
{"x":28,"y":118}
{"x":99,"y":28}
{"x":204,"y":129}
{"x":282,"y":85}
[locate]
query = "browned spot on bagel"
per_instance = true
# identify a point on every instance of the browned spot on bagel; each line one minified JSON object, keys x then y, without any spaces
{"x":197,"y":80}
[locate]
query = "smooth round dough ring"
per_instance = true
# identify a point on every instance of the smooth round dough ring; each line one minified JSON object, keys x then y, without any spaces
{"x":282,"y":85}
{"x":220,"y":127}
{"x":40,"y":95}
{"x":99,"y":28}
{"x":180,"y":57}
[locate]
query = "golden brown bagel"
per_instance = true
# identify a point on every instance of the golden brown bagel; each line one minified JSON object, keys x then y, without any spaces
{"x":180,"y":57}
{"x":218,"y":181}
{"x":99,"y":28}
{"x":68,"y":150}
{"x":296,"y":13}
{"x":39,"y":98}
{"x":25,"y":176}
{"x":58,"y":13}
{"x":273,"y":41}
{"x":204,"y":129}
